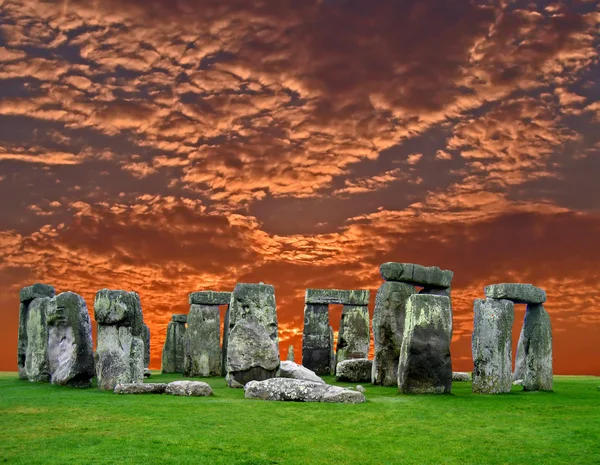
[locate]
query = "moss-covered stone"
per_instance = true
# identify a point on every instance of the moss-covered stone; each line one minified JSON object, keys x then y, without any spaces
{"x":316,"y":339}
{"x":37,"y":367}
{"x":427,"y":276}
{"x":337,"y":296}
{"x":354,"y":335}
{"x":173,"y":353}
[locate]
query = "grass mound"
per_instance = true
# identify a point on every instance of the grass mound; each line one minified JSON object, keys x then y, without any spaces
{"x":42,"y":423}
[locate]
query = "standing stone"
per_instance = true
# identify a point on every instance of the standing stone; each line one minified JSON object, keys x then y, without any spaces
{"x":537,"y":349}
{"x":425,"y":365}
{"x":492,"y":346}
{"x":316,"y":339}
{"x":26,"y":297}
{"x":290,"y":355}
{"x":173,"y":350}
{"x":70,"y":348}
{"x":253,"y":341}
{"x":225,"y":343}
{"x":146,"y":338}
{"x":354,"y":335}
{"x":388,"y":328}
{"x":120,"y":348}
{"x":331,"y":352}
{"x":519,"y":372}
{"x":37,"y":367}
{"x":202,"y":342}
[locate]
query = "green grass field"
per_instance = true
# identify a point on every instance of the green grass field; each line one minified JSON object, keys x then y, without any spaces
{"x":41,"y":423}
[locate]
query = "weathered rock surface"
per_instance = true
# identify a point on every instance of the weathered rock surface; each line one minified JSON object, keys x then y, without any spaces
{"x":173,"y":354}
{"x":225,"y":343}
{"x":37,"y":366}
{"x":201,"y":342}
{"x":337,"y":296}
{"x":354,"y":334}
{"x":140,"y":388}
{"x":27,"y":295}
{"x":209,"y":298}
{"x":536,"y":347}
{"x":388,"y":328}
{"x":253,"y":341}
{"x":317,"y":342}
{"x":360,"y":389}
{"x":251,"y":354}
{"x":492,"y":346}
{"x":461,"y":376}
{"x":146,"y":339}
{"x":296,"y":390}
{"x":179,"y":317}
{"x":354,"y":370}
{"x":331,"y":352}
{"x":120,"y":348}
{"x":70,"y":347}
{"x":518,"y":293}
{"x":425,"y":366}
{"x":289,"y":369}
{"x":426,"y":276}
{"x":189,"y":388}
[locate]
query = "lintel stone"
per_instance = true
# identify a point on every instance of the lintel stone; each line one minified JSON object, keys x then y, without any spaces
{"x":426,"y":276}
{"x":209,"y":298}
{"x":337,"y":296}
{"x":179,"y":318}
{"x":29,"y":293}
{"x":517,"y":293}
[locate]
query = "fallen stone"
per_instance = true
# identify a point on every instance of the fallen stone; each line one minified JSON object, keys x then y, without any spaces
{"x":360,"y":388}
{"x":209,"y":298}
{"x":517,"y":293}
{"x":189,"y":388}
{"x":251,"y":354}
{"x":426,"y":276}
{"x":38,"y":290}
{"x":537,"y":349}
{"x":425,"y":366}
{"x":146,"y":339}
{"x":337,"y":296}
{"x":70,"y":347}
{"x":461,"y":376}
{"x":492,"y":346}
{"x":201,"y":342}
{"x":290,"y":354}
{"x":388,"y":328}
{"x":120,"y":349}
{"x":354,"y":335}
{"x":140,"y":388}
{"x":317,"y":342}
{"x":354,"y":370}
{"x":289,"y":369}
{"x":173,"y":354}
{"x":296,"y":390}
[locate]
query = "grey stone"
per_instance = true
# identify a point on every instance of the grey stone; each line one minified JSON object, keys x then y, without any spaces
{"x":388,"y":328}
{"x":461,"y":376}
{"x":331,"y":352}
{"x":426,"y":276}
{"x":209,"y":298}
{"x":70,"y":347}
{"x":290,"y":354}
{"x":360,"y":388}
{"x":179,"y":318}
{"x":146,"y":339}
{"x":537,"y":349}
{"x":189,"y":388}
{"x":296,"y":390}
{"x":337,"y":296}
{"x":354,"y":335}
{"x":425,"y":366}
{"x":36,"y":363}
{"x":289,"y":369}
{"x":251,"y":354}
{"x":354,"y":370}
{"x":173,"y":354}
{"x":140,"y":388}
{"x":519,"y":372}
{"x":225,"y":343}
{"x":38,"y":290}
{"x":201,"y":343}
{"x":492,"y":346}
{"x":518,"y":293}
{"x":317,"y":342}
{"x":119,"y":353}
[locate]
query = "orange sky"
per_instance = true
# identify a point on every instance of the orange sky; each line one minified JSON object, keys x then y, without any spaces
{"x":168,"y":147}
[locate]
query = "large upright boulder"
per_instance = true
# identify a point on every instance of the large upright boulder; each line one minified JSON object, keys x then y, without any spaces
{"x":120,"y":348}
{"x":146,"y":338}
{"x":354,"y":335}
{"x":492,"y":346}
{"x":388,"y":328}
{"x":173,"y":353}
{"x":316,"y":339}
{"x":535,"y":346}
{"x":425,"y":365}
{"x":201,"y":342}
{"x":36,"y":368}
{"x":70,"y":348}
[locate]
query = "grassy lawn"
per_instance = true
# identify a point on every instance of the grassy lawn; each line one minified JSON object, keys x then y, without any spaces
{"x":41,"y":423}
